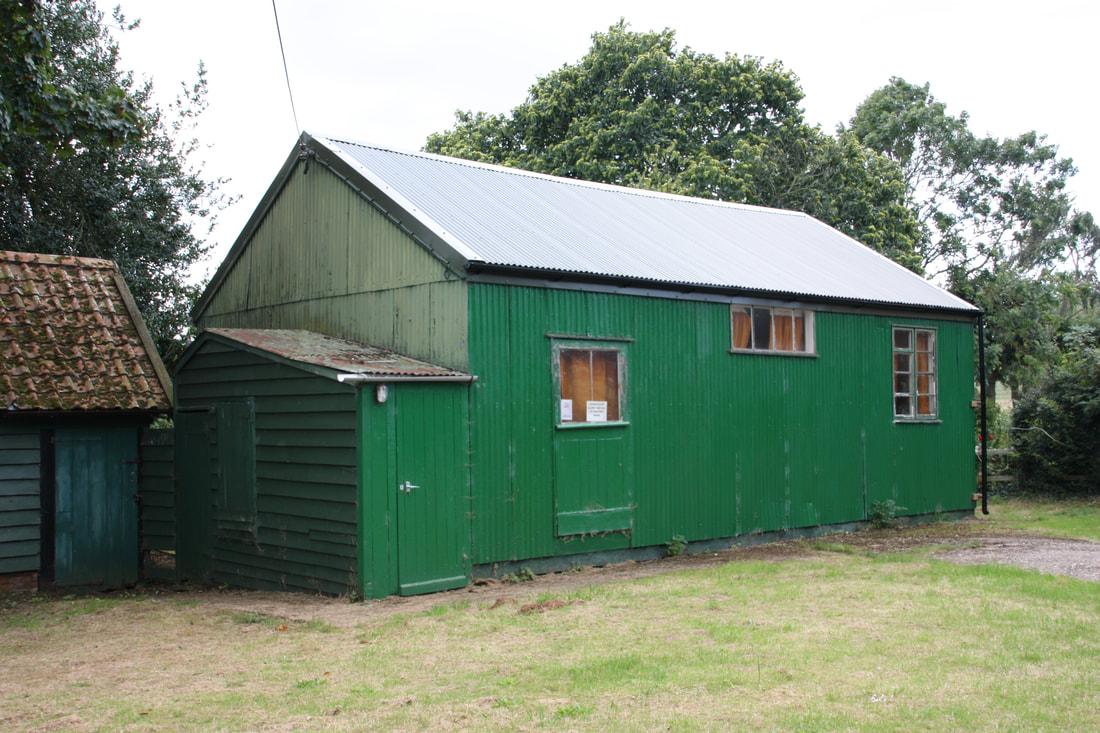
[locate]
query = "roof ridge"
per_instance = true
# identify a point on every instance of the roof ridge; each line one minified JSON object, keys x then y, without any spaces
{"x":564,"y":180}
{"x":38,"y":258}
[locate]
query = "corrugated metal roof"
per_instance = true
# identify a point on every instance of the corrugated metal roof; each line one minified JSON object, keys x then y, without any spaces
{"x":508,"y":217}
{"x":70,"y":339}
{"x":339,"y":355}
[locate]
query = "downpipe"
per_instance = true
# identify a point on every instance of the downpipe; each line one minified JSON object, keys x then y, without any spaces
{"x":983,"y":437}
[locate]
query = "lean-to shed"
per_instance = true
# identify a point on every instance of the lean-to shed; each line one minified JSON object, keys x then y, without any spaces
{"x":79,"y":378}
{"x":647,"y":366}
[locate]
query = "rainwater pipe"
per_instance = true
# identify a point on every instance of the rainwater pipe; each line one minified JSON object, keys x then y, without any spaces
{"x":983,"y":436}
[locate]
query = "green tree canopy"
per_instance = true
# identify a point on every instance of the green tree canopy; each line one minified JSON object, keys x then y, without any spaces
{"x":91,"y":166}
{"x":637,"y":110}
{"x":997,"y":224}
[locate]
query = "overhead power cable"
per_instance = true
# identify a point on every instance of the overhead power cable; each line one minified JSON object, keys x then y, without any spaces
{"x":286,"y":73}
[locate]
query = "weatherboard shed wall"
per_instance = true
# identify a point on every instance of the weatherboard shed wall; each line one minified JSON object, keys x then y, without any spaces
{"x":20,"y":508}
{"x":302,"y":534}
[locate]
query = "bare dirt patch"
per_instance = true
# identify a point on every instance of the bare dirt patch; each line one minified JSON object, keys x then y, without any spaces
{"x":1075,"y":558}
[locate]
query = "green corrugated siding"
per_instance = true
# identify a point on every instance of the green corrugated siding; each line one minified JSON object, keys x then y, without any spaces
{"x":723,"y":444}
{"x":20,"y":518}
{"x":326,"y":260}
{"x":304,"y":532}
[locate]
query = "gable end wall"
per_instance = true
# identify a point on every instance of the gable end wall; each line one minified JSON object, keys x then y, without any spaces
{"x":327,"y":260}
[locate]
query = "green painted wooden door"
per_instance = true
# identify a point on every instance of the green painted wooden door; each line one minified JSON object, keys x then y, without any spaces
{"x":433,"y":526}
{"x":96,"y":517}
{"x":193,"y":494}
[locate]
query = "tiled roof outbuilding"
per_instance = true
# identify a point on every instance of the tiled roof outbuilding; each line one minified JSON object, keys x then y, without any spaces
{"x":71,"y":339}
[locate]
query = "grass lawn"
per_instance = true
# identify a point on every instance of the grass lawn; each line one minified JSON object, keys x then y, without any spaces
{"x":817,"y":639}
{"x":1057,"y":518}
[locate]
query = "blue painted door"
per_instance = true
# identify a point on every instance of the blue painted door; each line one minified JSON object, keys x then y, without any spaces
{"x":96,"y":517}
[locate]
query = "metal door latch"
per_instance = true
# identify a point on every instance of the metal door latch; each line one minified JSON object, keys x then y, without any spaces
{"x":407,"y":487}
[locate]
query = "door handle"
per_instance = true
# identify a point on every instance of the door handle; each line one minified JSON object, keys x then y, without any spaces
{"x":407,"y":487}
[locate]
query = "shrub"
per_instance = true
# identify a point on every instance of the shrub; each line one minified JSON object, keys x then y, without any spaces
{"x":884,"y":514}
{"x":1056,"y":431}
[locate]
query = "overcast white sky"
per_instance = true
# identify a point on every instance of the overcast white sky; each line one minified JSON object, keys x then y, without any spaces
{"x":391,"y":73}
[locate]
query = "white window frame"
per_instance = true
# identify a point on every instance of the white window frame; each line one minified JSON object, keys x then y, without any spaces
{"x":808,"y":320}
{"x":913,"y":394}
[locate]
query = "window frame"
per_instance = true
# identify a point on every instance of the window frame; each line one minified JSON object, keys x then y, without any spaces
{"x":914,"y":393}
{"x":619,"y":346}
{"x":809,"y":319}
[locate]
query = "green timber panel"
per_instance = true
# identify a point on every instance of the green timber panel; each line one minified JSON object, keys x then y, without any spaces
{"x":433,"y":530}
{"x":96,"y":519}
{"x":303,"y":534}
{"x":193,"y":479}
{"x":236,"y":436}
{"x":20,"y":520}
{"x":156,"y":487}
{"x":723,"y":444}
{"x":367,"y":279}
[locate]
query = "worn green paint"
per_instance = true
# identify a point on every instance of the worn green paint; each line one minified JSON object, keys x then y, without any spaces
{"x":366,"y":280}
{"x":414,"y":541}
{"x":96,"y":517}
{"x":716,"y":445}
{"x":433,"y":531}
{"x":303,"y":532}
{"x":157,"y":491}
{"x":377,"y":459}
{"x":20,"y":518}
{"x":723,"y":444}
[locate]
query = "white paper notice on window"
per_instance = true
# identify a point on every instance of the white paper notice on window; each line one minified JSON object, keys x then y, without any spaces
{"x":596,"y":411}
{"x":566,"y":410}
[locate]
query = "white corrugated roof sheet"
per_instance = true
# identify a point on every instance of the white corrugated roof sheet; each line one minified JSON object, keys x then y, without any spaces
{"x":508,"y":217}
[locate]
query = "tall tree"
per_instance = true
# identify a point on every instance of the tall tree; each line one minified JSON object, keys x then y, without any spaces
{"x":638,"y":111}
{"x":983,"y":203}
{"x":997,"y":224}
{"x":91,"y":166}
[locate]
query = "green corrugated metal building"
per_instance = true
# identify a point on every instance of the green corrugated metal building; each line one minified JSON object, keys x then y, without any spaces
{"x":416,"y":369}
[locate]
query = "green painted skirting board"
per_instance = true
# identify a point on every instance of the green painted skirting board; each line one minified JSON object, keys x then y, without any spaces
{"x":558,"y":564}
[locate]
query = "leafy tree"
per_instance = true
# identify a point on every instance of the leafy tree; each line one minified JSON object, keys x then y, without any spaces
{"x":1057,"y":423}
{"x":39,"y":102}
{"x":997,"y":225}
{"x":91,"y":166}
{"x":982,"y":203}
{"x":638,"y":111}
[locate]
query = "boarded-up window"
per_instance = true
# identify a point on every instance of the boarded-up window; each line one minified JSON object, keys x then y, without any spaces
{"x":590,"y":386}
{"x":774,"y":330}
{"x":914,"y":373}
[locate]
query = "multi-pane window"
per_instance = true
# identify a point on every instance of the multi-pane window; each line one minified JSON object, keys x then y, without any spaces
{"x":773,"y":330}
{"x":914,"y":373}
{"x":590,"y":385}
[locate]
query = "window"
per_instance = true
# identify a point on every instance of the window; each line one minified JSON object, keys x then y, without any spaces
{"x":914,"y":373}
{"x":772,"y":330}
{"x":590,"y":385}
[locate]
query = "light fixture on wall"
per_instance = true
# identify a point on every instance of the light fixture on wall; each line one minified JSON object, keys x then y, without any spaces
{"x":381,"y":392}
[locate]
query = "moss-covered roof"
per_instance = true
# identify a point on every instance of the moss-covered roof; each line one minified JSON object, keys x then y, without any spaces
{"x":71,"y":339}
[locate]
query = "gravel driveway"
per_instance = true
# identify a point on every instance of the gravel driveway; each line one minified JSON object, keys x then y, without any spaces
{"x":1076,"y":558}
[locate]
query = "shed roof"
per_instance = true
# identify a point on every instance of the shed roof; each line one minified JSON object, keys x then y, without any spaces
{"x":72,"y":339}
{"x":338,"y":356}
